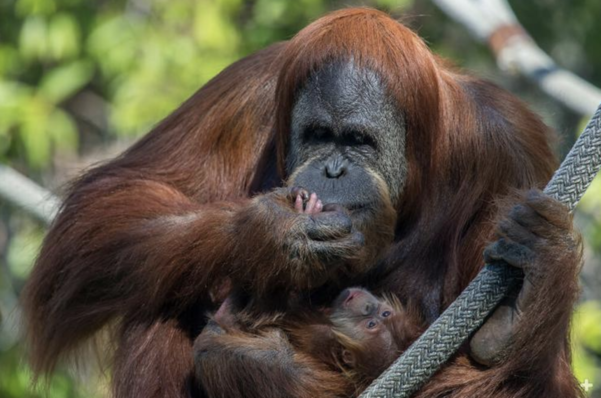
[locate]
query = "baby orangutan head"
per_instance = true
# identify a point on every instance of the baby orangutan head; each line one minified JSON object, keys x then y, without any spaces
{"x":372,"y":331}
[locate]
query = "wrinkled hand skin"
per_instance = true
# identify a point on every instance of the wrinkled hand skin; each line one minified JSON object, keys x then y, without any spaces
{"x":323,"y":230}
{"x":306,"y":239}
{"x":536,"y":236}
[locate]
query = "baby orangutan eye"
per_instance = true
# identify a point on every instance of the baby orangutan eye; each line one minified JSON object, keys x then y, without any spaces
{"x":371,"y":324}
{"x":386,"y":314}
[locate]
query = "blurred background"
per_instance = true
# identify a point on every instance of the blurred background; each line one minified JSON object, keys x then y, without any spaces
{"x":80,"y":80}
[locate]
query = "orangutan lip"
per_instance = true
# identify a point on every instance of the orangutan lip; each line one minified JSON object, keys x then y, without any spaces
{"x":357,"y":206}
{"x":351,"y":207}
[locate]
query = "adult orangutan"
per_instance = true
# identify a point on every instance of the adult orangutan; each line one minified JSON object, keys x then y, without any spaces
{"x":356,"y":109}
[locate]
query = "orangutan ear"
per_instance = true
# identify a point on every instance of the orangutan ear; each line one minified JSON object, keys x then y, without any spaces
{"x":348,"y":358}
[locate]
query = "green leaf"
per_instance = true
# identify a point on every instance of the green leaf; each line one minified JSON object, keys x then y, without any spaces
{"x":62,"y":130}
{"x":213,"y":30}
{"x":9,"y":60}
{"x":586,"y":337}
{"x":13,"y":99}
{"x":269,"y":12}
{"x":33,"y":42}
{"x":33,"y":132}
{"x":35,"y":7}
{"x":63,"y":37}
{"x":393,"y":4}
{"x":590,"y":202}
{"x":64,"y":81}
{"x":114,"y":44}
{"x":22,"y":251}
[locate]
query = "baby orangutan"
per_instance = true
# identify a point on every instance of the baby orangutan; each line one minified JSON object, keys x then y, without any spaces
{"x":341,"y":349}
{"x":370,"y":333}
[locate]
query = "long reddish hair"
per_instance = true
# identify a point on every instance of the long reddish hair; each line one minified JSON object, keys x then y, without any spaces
{"x":468,"y":142}
{"x":129,"y":247}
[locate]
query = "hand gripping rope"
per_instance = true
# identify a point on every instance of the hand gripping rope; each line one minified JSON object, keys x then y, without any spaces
{"x":426,"y":355}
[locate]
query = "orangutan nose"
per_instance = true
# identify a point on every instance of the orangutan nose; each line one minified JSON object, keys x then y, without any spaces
{"x":336,"y":167}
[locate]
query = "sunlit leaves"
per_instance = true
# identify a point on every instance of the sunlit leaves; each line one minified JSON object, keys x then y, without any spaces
{"x":33,"y":40}
{"x":268,"y":12}
{"x":9,"y":60}
{"x":31,"y":117}
{"x":114,"y":44}
{"x":49,"y":38}
{"x":35,"y":7}
{"x":42,"y":128}
{"x":149,"y":71}
{"x":33,"y":121}
{"x":213,"y":30}
{"x":65,"y":81}
{"x":63,"y":37}
{"x":23,"y":250}
{"x":586,"y":338}
{"x":13,"y":98}
{"x":393,"y":4}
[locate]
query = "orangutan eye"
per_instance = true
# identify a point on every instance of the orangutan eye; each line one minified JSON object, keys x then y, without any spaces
{"x":317,"y":135}
{"x":386,"y":314}
{"x":357,"y":139}
{"x":371,"y":324}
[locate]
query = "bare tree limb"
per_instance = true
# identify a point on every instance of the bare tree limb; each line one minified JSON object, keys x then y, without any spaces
{"x":22,"y":192}
{"x":494,"y":22}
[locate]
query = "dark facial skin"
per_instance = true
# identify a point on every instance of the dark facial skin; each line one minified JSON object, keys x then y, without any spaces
{"x":347,"y":140}
{"x":347,"y":146}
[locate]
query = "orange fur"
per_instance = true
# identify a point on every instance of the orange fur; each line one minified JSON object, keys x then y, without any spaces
{"x":141,"y":241}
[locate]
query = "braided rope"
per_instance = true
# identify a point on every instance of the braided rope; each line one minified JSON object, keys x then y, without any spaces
{"x":442,"y":339}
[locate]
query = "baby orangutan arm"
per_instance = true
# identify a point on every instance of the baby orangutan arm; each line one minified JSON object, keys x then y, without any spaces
{"x":232,"y":363}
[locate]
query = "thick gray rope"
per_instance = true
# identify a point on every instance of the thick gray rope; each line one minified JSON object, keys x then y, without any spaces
{"x":442,"y":339}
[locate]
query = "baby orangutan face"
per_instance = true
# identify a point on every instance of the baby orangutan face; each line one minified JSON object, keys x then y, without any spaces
{"x":360,"y":315}
{"x":368,"y":328}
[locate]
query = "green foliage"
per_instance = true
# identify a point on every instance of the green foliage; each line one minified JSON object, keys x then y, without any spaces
{"x":586,"y":338}
{"x":16,"y":381}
